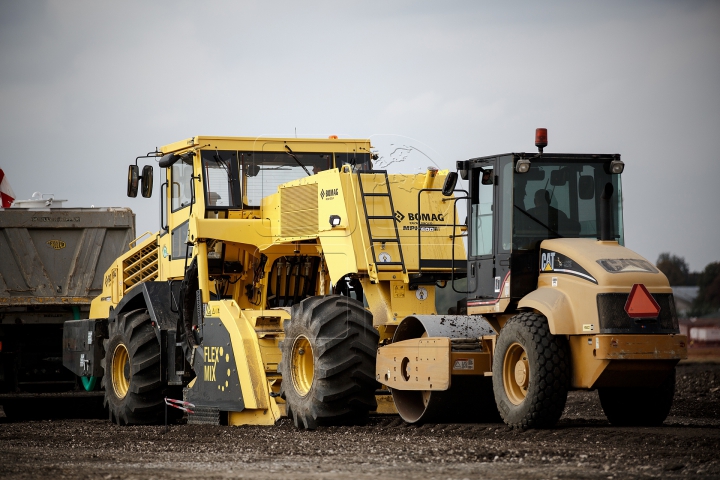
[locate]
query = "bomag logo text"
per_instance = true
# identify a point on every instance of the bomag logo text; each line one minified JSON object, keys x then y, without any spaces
{"x":212,"y":356}
{"x":329,"y":193}
{"x":110,"y":276}
{"x":426,"y":217}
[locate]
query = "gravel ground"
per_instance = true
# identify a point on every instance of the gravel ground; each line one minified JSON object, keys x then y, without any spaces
{"x":583,"y":445}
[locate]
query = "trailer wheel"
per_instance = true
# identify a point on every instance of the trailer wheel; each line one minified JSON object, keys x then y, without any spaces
{"x":133,"y":389}
{"x":328,"y":362}
{"x":638,"y":406}
{"x":531,"y":372}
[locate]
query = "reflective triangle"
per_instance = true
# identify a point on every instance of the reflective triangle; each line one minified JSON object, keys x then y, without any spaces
{"x":640,"y":304}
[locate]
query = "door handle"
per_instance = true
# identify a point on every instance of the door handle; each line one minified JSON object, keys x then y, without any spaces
{"x":472,"y":269}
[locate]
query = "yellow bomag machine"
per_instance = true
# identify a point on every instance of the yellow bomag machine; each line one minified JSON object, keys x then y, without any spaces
{"x":290,"y":278}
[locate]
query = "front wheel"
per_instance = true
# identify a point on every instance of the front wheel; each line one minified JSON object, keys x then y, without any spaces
{"x":531,"y":372}
{"x":328,"y":362}
{"x":133,"y":388}
{"x":638,"y":406}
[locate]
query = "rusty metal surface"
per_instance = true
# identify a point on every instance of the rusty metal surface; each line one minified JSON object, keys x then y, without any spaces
{"x":452,"y":326}
{"x":58,"y":256}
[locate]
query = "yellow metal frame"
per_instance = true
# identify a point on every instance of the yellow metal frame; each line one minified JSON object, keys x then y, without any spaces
{"x":294,"y":221}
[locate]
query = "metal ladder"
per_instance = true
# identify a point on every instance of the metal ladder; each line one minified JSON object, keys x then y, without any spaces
{"x":369,"y":218}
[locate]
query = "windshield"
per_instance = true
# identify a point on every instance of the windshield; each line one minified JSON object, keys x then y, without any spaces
{"x":236,"y":179}
{"x":264,"y":171}
{"x":556,"y":199}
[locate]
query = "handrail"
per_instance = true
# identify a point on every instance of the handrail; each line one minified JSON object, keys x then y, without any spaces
{"x":130,"y":245}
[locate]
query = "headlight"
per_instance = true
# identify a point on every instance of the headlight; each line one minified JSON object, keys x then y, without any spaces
{"x":522,"y":166}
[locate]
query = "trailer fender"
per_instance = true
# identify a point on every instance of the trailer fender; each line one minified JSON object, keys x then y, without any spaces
{"x":555,"y":305}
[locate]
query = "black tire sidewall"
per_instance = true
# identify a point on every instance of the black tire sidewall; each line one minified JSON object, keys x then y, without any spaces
{"x":292,"y":396}
{"x":344,"y":342}
{"x":510,"y":334}
{"x":128,"y":330}
{"x":531,"y":413}
{"x":113,"y":400}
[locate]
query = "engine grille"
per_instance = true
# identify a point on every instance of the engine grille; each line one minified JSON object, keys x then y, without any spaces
{"x":614,"y":319}
{"x":142,"y":266}
{"x":299,"y":211}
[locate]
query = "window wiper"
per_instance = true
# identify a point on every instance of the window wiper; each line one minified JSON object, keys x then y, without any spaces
{"x":538,"y":222}
{"x":290,"y":152}
{"x":221,"y":163}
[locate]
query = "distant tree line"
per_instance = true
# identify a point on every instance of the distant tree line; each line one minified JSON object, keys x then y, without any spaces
{"x":678,"y":273}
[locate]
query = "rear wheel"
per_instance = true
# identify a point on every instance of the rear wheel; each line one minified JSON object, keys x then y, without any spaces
{"x":638,"y":406}
{"x":328,"y":362}
{"x":531,"y":372}
{"x":133,"y":388}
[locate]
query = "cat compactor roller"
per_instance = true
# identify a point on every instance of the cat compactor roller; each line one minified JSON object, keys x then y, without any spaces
{"x":290,"y":278}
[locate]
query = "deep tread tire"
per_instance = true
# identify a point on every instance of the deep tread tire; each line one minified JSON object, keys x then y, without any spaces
{"x":548,"y":358}
{"x":143,"y":402}
{"x":638,"y":406}
{"x":344,"y":347}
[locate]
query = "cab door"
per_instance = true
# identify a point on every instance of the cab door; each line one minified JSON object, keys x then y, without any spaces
{"x":481,"y":228}
{"x":490,"y":229}
{"x":181,"y":198}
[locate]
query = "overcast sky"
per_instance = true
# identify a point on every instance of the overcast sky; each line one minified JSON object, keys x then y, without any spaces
{"x":85,"y":87}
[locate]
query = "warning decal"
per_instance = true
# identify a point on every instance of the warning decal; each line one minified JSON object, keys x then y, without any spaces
{"x":464,"y":364}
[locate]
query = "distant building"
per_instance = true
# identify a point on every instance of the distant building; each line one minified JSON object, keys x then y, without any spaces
{"x":684,"y":297}
{"x":702,"y":331}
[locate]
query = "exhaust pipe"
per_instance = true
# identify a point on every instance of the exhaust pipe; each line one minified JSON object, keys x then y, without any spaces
{"x":606,"y":226}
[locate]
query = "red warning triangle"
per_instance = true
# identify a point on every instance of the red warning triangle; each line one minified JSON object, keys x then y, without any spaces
{"x":640,"y":304}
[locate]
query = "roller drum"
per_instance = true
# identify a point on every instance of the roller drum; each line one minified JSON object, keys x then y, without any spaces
{"x":469,"y":398}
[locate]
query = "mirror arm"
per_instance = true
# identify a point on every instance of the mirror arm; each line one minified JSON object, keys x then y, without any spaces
{"x":154,"y":154}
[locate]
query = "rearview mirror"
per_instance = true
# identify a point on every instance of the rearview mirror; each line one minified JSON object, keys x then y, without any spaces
{"x":146,"y":184}
{"x":558,"y":178}
{"x":449,"y":185}
{"x":252,"y":170}
{"x":586,"y":187}
{"x":132,"y":186}
{"x":487,"y":177}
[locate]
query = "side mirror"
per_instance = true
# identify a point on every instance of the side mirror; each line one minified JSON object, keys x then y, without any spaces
{"x":146,"y":184}
{"x":133,"y":175}
{"x":449,"y":185}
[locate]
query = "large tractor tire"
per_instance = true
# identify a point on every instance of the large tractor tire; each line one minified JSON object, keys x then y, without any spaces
{"x":328,"y":362}
{"x":638,"y":406}
{"x":531,"y":372}
{"x":133,"y":388}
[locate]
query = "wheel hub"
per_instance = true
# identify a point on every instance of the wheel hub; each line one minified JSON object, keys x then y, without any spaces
{"x":302,"y":365}
{"x":516,"y":373}
{"x":521,"y":373}
{"x":120,"y":371}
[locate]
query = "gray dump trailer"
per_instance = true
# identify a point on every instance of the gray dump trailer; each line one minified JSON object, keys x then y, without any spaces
{"x":52,"y":262}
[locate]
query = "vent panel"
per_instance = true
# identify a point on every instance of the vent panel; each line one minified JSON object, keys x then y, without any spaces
{"x":299,"y":211}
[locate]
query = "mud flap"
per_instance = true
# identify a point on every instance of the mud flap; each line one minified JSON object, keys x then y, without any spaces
{"x":217,"y":384}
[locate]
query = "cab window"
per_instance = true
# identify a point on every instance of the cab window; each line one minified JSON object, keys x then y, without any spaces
{"x":181,"y":176}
